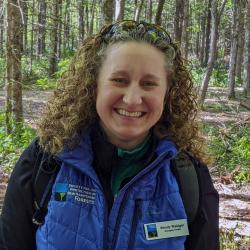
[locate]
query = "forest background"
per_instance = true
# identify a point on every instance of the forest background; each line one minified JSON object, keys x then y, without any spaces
{"x":38,"y":38}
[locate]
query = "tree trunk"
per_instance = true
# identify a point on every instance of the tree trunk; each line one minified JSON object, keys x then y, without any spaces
{"x":246,"y":71}
{"x":81,"y":20}
{"x":73,"y":43}
{"x":185,"y":38}
{"x":159,"y":12}
{"x":119,"y":9}
{"x":53,"y":59}
{"x":93,"y":10}
{"x":87,"y":17}
{"x":31,"y":39}
{"x":136,"y":6}
{"x":66,"y":28}
{"x":107,"y":12}
{"x":59,"y":42}
{"x":227,"y":44}
{"x":13,"y":63}
{"x":197,"y":40}
{"x":149,"y":11}
{"x":240,"y":42}
{"x":42,"y":7}
{"x":233,"y":54}
{"x":25,"y":46}
{"x":191,"y":35}
{"x":178,"y":21}
{"x":215,"y":20}
{"x":208,"y":32}
{"x":203,"y":36}
{"x":1,"y":27}
{"x":138,"y":10}
{"x":72,"y":34}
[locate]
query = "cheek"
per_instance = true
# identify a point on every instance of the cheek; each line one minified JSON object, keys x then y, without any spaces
{"x":156,"y":105}
{"x":107,"y":97}
{"x":159,"y":100}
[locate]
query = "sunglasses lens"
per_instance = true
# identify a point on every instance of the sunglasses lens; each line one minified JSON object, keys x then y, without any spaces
{"x":154,"y":31}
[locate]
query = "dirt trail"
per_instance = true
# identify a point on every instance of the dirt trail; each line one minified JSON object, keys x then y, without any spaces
{"x":234,"y":207}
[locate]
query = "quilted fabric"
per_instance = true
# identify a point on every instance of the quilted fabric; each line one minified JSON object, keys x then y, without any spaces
{"x":77,"y":215}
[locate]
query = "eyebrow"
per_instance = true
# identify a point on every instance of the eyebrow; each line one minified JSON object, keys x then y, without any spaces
{"x":151,"y":76}
{"x":125,"y":73}
{"x":120,"y":72}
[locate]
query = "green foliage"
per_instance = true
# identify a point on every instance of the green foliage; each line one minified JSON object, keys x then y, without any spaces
{"x":2,"y":71}
{"x":228,"y":242}
{"x":197,"y":73}
{"x":242,"y":177}
{"x":50,"y":83}
{"x":62,"y":67}
{"x":39,"y":70}
{"x":46,"y":83}
{"x":68,"y":53}
{"x":231,"y":148}
{"x":219,"y":78}
{"x":39,"y":73}
{"x":216,"y":107}
{"x":13,"y":144}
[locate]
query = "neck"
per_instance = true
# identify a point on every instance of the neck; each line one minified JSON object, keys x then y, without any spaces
{"x":123,"y":143}
{"x":127,"y":144}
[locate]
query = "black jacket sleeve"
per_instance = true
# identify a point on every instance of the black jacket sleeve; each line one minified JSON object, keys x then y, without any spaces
{"x":17,"y":232}
{"x":204,"y":231}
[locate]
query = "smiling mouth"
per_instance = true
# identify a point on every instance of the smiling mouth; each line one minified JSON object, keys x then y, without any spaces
{"x":123,"y":112}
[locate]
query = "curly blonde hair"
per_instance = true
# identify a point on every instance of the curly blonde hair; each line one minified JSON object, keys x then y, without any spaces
{"x":71,"y":109}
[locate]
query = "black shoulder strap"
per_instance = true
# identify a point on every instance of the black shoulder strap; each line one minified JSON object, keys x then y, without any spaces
{"x":182,"y":167}
{"x":186,"y":175}
{"x":44,"y":178}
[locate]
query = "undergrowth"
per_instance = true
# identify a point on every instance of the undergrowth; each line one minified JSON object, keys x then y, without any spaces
{"x":228,"y":241}
{"x":12,"y":145}
{"x":230,"y":147}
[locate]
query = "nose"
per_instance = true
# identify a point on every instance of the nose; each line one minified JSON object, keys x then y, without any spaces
{"x":132,"y":95}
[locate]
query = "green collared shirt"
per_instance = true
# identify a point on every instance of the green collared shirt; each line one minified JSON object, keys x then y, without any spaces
{"x":130,"y":162}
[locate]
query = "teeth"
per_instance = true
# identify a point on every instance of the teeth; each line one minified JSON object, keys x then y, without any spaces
{"x":130,"y":114}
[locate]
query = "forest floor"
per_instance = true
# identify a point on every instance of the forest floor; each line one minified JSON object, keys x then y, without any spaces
{"x":234,"y":198}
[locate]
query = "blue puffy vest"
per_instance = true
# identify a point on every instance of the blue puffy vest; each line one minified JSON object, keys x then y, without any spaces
{"x":147,"y":213}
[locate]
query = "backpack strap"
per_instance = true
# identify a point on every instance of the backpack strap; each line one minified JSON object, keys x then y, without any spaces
{"x":186,"y":175}
{"x":182,"y":166}
{"x":44,"y":178}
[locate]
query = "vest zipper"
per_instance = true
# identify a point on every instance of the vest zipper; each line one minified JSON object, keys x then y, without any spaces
{"x":134,"y":225}
{"x":122,"y":206}
{"x":118,"y":220}
{"x":105,"y":234}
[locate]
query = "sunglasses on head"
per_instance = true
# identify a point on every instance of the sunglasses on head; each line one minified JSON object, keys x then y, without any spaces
{"x":125,"y":26}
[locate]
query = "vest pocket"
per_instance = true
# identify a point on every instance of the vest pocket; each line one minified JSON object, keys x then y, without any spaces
{"x":148,"y":214}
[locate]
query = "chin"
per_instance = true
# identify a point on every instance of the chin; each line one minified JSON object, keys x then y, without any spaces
{"x":130,"y":137}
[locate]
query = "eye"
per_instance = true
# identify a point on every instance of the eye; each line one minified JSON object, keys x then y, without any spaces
{"x":119,"y":80}
{"x":149,"y":84}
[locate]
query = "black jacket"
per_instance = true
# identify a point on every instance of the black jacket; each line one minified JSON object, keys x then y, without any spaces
{"x":17,"y":232}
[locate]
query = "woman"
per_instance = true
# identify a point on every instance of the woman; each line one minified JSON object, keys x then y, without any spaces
{"x":121,"y":113}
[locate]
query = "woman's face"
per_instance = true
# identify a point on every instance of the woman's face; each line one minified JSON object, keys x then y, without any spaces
{"x":131,"y":88}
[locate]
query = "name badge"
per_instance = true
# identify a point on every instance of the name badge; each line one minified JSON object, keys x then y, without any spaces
{"x":166,"y":229}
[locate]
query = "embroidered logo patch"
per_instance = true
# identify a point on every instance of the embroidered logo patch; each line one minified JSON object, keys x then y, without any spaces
{"x":79,"y":193}
{"x":61,"y":190}
{"x":82,"y":194}
{"x":166,"y":229}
